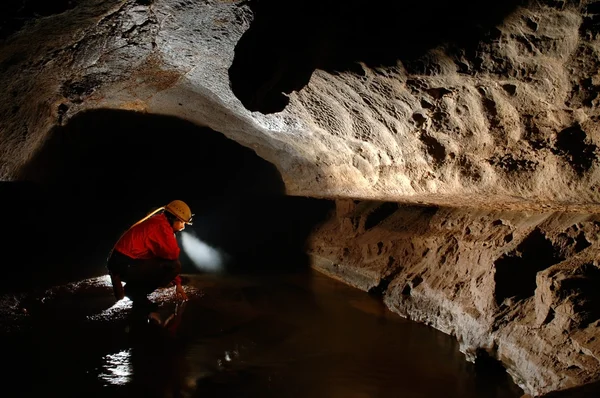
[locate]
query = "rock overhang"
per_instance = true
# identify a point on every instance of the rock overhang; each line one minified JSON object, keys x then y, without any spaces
{"x":509,"y":122}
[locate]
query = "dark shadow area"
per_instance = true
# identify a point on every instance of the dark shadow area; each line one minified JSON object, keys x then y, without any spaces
{"x":258,"y":234}
{"x":64,"y":338}
{"x":288,"y":40}
{"x":516,"y":272}
{"x":575,"y":146}
{"x":492,"y":378}
{"x":16,"y":13}
{"x":587,"y":391}
{"x":122,"y":154}
{"x":380,"y":213}
{"x":106,"y":169}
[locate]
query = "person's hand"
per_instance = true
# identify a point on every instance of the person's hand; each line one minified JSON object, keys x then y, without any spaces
{"x":180,"y":293}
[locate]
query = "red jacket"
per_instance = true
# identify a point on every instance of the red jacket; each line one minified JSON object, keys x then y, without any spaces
{"x":150,"y":239}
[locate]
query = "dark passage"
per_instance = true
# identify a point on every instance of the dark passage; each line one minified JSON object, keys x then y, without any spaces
{"x":258,"y":235}
{"x":107,"y":169}
{"x":122,"y":154}
{"x":16,"y":13}
{"x":288,"y":40}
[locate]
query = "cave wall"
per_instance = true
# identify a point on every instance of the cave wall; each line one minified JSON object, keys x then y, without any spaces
{"x":521,"y":287}
{"x":505,"y":123}
{"x":507,"y":118}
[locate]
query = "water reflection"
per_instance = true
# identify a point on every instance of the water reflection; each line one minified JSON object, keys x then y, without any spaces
{"x":117,"y":368}
{"x":298,"y":335}
{"x":173,"y":322}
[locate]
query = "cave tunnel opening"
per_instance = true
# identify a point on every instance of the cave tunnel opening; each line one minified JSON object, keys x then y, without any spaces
{"x":106,"y":169}
{"x":288,"y":40}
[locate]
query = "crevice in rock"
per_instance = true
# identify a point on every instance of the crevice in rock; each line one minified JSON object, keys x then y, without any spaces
{"x":379,"y":214}
{"x":516,"y":271}
{"x":381,"y":288}
{"x":510,"y":89}
{"x":490,"y":371}
{"x":383,"y":284}
{"x":573,"y":144}
{"x":581,"y":242}
{"x":549,"y":317}
{"x":406,"y":290}
{"x":434,"y":148}
{"x":412,"y":283}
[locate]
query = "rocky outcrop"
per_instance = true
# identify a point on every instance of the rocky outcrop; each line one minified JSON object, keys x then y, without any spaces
{"x":521,"y":287}
{"x":503,"y":114}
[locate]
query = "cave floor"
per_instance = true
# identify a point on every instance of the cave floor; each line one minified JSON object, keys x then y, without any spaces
{"x":296,"y":335}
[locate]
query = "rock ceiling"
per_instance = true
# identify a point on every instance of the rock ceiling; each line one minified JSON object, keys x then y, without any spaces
{"x":413,"y":108}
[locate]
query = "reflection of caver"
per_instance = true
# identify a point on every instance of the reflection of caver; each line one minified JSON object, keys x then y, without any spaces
{"x":174,"y":320}
{"x":146,"y":257}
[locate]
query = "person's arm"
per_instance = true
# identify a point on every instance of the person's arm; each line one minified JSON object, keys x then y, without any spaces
{"x":164,"y":245}
{"x":179,"y":292}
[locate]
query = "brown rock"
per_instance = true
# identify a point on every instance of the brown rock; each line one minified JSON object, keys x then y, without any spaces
{"x":512,"y":124}
{"x":520,"y":286}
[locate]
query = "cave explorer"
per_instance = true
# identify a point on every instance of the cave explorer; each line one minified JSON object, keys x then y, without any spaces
{"x":146,"y":256}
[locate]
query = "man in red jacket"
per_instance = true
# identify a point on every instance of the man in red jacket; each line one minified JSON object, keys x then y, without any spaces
{"x":146,"y":257}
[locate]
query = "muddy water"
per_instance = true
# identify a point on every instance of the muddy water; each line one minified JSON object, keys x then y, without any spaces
{"x":293,"y":336}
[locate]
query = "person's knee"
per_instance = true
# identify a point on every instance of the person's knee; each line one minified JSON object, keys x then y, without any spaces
{"x":117,"y":264}
{"x":114,"y":268}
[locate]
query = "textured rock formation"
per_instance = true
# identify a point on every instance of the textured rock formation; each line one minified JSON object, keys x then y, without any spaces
{"x":506,"y":118}
{"x":430,"y":102}
{"x":520,"y":287}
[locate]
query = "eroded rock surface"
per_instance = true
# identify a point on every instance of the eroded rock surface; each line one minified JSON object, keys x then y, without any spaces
{"x":508,"y":118}
{"x":522,"y":287}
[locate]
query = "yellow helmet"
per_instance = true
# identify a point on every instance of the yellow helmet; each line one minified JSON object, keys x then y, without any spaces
{"x":180,"y":210}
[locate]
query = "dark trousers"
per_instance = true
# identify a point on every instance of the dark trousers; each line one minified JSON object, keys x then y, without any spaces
{"x":142,"y":277}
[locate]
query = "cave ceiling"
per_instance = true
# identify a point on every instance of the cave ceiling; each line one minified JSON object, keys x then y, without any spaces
{"x":458,"y":103}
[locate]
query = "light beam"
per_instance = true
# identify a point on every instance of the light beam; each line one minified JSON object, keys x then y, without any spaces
{"x":204,"y":257}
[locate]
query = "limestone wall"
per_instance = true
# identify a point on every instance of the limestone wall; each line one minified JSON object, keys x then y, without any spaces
{"x":522,"y":287}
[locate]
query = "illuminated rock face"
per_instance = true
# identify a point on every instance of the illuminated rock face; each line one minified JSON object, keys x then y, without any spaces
{"x":504,"y":119}
{"x":507,"y":118}
{"x":519,"y":287}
